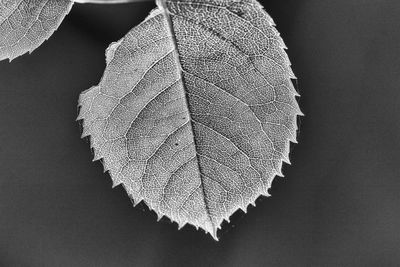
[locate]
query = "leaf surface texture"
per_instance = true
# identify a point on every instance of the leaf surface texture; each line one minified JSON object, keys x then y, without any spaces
{"x":196,"y":110}
{"x":26,"y":24}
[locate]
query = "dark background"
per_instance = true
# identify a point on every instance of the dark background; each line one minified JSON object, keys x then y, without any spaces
{"x":338,"y":205}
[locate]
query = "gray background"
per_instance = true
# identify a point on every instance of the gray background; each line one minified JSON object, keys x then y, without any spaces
{"x":339,"y":204}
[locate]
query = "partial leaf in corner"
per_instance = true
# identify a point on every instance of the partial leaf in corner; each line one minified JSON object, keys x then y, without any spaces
{"x":196,"y":110}
{"x":26,"y":24}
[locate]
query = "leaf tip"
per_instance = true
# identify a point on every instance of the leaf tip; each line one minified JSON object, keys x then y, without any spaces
{"x":210,"y":228}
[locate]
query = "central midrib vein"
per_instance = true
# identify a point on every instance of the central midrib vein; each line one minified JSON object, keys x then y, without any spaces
{"x":163,"y":6}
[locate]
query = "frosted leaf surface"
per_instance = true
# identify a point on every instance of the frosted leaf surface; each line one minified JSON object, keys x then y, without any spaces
{"x":26,"y":24}
{"x":195,"y":111}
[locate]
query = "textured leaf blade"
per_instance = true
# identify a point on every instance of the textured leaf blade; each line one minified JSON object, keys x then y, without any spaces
{"x":195,"y":110}
{"x":26,"y":24}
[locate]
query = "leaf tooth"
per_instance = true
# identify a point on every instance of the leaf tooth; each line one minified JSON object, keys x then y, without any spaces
{"x":105,"y":169}
{"x":97,"y":155}
{"x":181,"y":225}
{"x":92,"y":145}
{"x":115,"y":183}
{"x":213,"y":233}
{"x":134,"y":202}
{"x":294,"y":140}
{"x":207,"y":226}
{"x":280,"y":174}
{"x":286,"y":157}
{"x":243,"y":208}
{"x":265,"y":193}
{"x":12,"y":57}
{"x":86,"y":132}
{"x":83,"y":135}
{"x":279,"y":171}
{"x":80,"y":115}
{"x":291,"y":73}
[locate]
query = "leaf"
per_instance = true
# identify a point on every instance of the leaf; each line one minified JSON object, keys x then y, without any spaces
{"x":195,"y":111}
{"x":26,"y":24}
